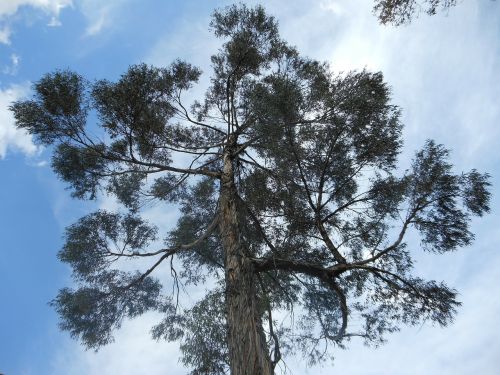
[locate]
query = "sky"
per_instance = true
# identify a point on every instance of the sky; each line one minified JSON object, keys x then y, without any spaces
{"x":444,"y":72}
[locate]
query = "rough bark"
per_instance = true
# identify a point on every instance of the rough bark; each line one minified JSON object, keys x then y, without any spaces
{"x":248,"y":352}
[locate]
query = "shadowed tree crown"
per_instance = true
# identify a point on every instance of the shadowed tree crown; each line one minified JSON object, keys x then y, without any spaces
{"x":291,"y":212}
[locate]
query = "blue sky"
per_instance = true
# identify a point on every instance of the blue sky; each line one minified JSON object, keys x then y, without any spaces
{"x":444,"y":72}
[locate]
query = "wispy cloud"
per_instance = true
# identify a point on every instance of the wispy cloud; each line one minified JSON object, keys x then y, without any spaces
{"x":100,"y":15}
{"x":12,"y":138}
{"x":332,"y":6}
{"x":54,"y":22}
{"x":99,"y":20}
{"x":13,"y":66}
{"x":5,"y":33}
{"x":8,"y":8}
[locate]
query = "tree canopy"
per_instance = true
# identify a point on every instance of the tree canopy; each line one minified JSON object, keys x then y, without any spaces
{"x":292,"y":212}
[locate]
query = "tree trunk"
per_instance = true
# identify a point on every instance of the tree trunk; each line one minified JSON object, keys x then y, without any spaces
{"x":248,"y":352}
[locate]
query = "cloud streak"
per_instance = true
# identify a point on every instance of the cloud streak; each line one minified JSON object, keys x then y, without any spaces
{"x":100,"y":15}
{"x":13,"y":66}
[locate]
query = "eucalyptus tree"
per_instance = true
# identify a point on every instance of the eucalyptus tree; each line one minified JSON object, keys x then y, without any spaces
{"x":289,"y":202}
{"x":399,"y":12}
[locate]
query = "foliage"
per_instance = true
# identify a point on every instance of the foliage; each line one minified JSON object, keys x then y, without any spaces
{"x":399,"y":12}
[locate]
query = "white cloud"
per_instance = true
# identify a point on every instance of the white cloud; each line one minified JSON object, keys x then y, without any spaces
{"x":5,"y":35}
{"x":12,"y":138}
{"x":100,"y":15}
{"x":42,"y":163}
{"x":133,"y":352}
{"x":15,"y":59}
{"x":53,"y":7}
{"x":332,"y":6}
{"x":54,"y":22}
{"x":98,"y":21}
{"x":12,"y":68}
{"x":8,"y":8}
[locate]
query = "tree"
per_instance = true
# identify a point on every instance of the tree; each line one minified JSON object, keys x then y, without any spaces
{"x":399,"y":12}
{"x":289,"y":201}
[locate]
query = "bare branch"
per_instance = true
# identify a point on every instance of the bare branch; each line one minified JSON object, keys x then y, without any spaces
{"x":170,"y":252}
{"x":343,"y":307}
{"x":185,"y":113}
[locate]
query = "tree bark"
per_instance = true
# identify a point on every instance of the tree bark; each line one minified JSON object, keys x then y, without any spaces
{"x":248,"y":353}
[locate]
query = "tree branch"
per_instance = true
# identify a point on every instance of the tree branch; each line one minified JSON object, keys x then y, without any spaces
{"x":171,"y":251}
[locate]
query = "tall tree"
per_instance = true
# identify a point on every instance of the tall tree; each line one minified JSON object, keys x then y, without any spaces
{"x":399,"y":12}
{"x":289,"y":200}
